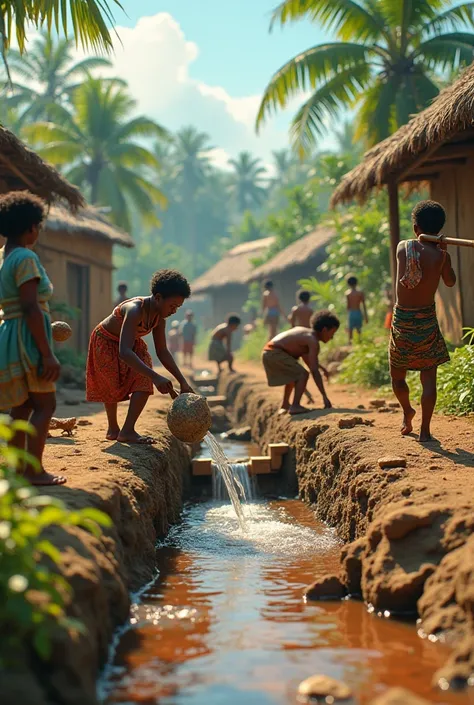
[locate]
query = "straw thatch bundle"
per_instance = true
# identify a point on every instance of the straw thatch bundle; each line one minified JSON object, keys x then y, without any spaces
{"x":450,"y":114}
{"x":189,"y":418}
{"x":61,"y":331}
{"x":21,"y":168}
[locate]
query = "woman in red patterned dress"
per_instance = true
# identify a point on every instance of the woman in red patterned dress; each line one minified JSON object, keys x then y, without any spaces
{"x":119,"y":366}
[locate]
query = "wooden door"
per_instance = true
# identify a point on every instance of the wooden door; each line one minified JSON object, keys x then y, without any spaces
{"x":78,"y":277}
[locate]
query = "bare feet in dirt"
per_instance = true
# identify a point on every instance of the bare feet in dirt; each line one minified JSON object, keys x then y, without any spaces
{"x":44,"y":478}
{"x":298,"y":409}
{"x":407,"y":426}
{"x":135,"y":438}
{"x":283,"y":410}
{"x":112,"y":434}
{"x":425,"y":436}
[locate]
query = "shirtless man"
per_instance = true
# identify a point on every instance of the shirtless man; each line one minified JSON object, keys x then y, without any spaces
{"x":271,"y":309}
{"x":301,"y":313}
{"x":355,"y":298}
{"x":218,"y":352}
{"x":280,"y":360}
{"x":416,"y":342}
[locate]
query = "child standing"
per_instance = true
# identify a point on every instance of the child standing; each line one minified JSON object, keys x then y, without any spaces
{"x":188,"y":333}
{"x":416,"y":342}
{"x":355,"y":299}
{"x":271,"y":309}
{"x":174,"y":338}
{"x":301,"y":313}
{"x":218,"y":352}
{"x":119,"y":366}
{"x":28,"y":367}
{"x":280,"y":360}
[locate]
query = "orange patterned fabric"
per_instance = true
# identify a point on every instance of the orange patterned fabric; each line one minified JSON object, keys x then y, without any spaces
{"x":108,"y":378}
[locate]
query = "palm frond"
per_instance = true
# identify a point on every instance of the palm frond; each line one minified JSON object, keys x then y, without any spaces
{"x":447,"y":51}
{"x":453,"y":18}
{"x":142,"y":127}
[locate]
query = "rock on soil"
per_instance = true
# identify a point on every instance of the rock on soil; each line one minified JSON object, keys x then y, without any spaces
{"x":321,"y":686}
{"x":243,"y":434}
{"x":220,"y":420}
{"x":328,"y":588}
{"x":392,"y":461}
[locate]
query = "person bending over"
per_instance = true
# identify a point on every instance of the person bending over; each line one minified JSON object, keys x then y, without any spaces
{"x":220,"y":347}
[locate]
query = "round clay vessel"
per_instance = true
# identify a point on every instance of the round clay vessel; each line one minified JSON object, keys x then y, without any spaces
{"x":61,"y":331}
{"x":189,"y":418}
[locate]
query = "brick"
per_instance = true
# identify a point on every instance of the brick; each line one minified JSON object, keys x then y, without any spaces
{"x":260,"y":465}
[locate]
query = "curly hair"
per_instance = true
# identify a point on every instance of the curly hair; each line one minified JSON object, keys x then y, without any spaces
{"x":19,"y":212}
{"x":324,"y":319}
{"x":233,"y":319}
{"x":170,"y":282}
{"x":430,"y":216}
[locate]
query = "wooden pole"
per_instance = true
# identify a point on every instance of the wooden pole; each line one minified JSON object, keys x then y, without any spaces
{"x":394,"y":218}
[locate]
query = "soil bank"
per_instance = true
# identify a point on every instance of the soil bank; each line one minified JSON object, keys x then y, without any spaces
{"x":141,"y":489}
{"x":408,"y":530}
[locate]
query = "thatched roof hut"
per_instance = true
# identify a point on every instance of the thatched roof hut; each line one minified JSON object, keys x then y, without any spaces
{"x":87,"y":221}
{"x":234,"y":268}
{"x":21,"y":168}
{"x":436,"y":147}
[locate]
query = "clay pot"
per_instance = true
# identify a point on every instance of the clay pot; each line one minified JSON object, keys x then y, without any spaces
{"x":61,"y":331}
{"x":189,"y":418}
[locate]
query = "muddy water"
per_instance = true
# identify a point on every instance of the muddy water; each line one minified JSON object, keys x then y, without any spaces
{"x":225,"y":622}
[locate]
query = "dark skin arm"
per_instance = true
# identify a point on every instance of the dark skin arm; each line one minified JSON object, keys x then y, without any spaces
{"x":128,"y":335}
{"x":34,"y":317}
{"x":291,"y":317}
{"x":447,"y":273}
{"x":325,"y":372}
{"x":166,"y":358}
{"x":313,"y":364}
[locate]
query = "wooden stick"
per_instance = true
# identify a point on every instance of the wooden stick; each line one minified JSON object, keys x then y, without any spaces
{"x":448,"y":240}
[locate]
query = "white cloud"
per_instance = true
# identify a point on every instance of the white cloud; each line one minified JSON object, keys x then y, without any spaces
{"x":154,"y":57}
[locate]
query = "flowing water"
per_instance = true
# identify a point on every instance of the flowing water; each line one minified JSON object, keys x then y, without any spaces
{"x":240,"y":473}
{"x":225,"y":622}
{"x":235,"y":489}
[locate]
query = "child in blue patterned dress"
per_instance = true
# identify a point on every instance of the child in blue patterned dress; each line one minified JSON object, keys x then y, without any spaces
{"x":28,"y":367}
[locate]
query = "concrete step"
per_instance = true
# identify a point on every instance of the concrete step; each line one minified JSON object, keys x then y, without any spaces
{"x":260,"y":465}
{"x":277,"y":451}
{"x":201,"y":467}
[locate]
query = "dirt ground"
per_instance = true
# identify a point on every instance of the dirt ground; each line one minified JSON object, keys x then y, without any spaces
{"x":141,"y":489}
{"x":408,"y":528}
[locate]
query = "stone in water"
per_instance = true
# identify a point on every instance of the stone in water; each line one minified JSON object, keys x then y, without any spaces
{"x":61,"y":331}
{"x":189,"y":418}
{"x":323,"y":686}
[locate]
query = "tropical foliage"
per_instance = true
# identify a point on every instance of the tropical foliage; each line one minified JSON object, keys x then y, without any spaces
{"x":384,"y":63}
{"x":248,"y":181}
{"x":33,"y":594}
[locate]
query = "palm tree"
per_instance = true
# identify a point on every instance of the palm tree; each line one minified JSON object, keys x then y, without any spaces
{"x":49,"y":67}
{"x":191,"y":156}
{"x":89,"y":20}
{"x":248,"y":181}
{"x":284,"y":162}
{"x":96,"y":145}
{"x":383,"y":63}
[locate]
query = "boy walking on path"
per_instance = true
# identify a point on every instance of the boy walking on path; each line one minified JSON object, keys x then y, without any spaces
{"x":355,"y":299}
{"x":416,"y":342}
{"x":301,"y":313}
{"x":188,"y":332}
{"x":218,"y":352}
{"x":271,"y":309}
{"x":280,"y":359}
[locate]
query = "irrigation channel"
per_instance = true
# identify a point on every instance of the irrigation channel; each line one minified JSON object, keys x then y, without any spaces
{"x":225,"y":621}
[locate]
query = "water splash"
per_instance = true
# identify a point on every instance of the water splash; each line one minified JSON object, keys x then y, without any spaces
{"x":241,"y":477}
{"x":234,"y":487}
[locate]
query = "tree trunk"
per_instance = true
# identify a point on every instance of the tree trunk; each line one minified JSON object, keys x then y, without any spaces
{"x":394,"y":216}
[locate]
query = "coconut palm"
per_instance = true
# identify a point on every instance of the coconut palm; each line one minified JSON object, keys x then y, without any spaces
{"x":89,"y":20}
{"x":247,"y":181}
{"x":384,"y":62}
{"x":50,"y":73}
{"x":95,"y":143}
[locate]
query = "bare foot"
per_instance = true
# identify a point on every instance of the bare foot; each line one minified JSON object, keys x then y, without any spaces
{"x":297,"y":409}
{"x":425,"y":436}
{"x":135,"y":438}
{"x":112,"y":434}
{"x":407,"y":426}
{"x":44,"y":478}
{"x":283,"y":410}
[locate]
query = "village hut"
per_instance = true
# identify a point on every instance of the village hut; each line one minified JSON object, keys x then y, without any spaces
{"x":436,"y":149}
{"x":76,"y":244}
{"x":76,"y":250}
{"x":300,"y":260}
{"x":226,"y":282}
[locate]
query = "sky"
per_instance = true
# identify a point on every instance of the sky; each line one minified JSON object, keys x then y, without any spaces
{"x":207,"y":63}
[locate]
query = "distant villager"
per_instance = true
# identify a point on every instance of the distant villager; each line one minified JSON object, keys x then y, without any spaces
{"x":271,"y":309}
{"x":218,"y":352}
{"x":301,"y":313}
{"x":122,"y":289}
{"x":188,"y":333}
{"x":356,"y":308}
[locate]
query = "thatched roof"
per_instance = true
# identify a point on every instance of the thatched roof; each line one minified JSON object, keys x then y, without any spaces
{"x":21,"y":168}
{"x":298,"y":253}
{"x":234,"y":268}
{"x":87,"y":221}
{"x":449,"y":119}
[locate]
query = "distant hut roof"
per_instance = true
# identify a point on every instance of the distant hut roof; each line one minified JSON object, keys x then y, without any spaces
{"x":87,"y":221}
{"x":234,"y":268}
{"x":21,"y":168}
{"x":449,"y":118}
{"x":297,"y":253}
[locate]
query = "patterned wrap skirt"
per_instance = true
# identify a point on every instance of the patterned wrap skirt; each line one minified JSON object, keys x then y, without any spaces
{"x":416,"y":342}
{"x":108,"y":378}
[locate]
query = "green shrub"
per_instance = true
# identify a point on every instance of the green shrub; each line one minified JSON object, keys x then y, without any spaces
{"x":367,"y":365}
{"x":253,"y":344}
{"x":33,"y":596}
